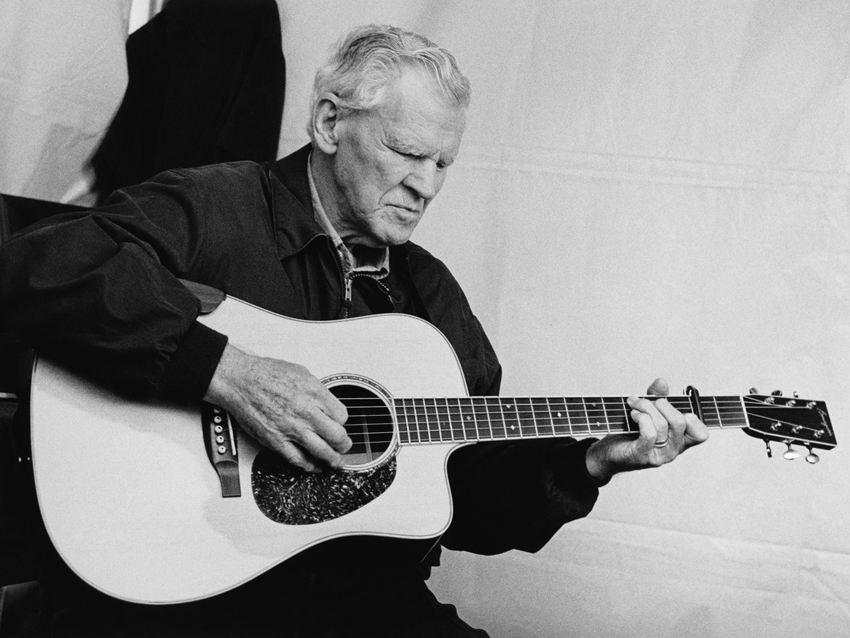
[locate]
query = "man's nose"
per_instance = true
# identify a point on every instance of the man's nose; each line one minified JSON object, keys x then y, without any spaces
{"x":425,"y":179}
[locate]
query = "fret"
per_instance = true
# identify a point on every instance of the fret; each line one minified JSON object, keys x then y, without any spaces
{"x":482,"y":418}
{"x":455,"y":420}
{"x":405,"y":433}
{"x":469,"y":425}
{"x":631,"y":426}
{"x":421,"y":428}
{"x":419,"y":417}
{"x":443,"y":421}
{"x":559,"y":414}
{"x":730,"y":411}
{"x":596,"y":415}
{"x":542,"y":416}
{"x":431,"y":421}
{"x":579,"y":421}
{"x":496,"y":417}
{"x":511,"y":418}
{"x":616,"y":413}
{"x":711,"y":412}
{"x":526,"y":421}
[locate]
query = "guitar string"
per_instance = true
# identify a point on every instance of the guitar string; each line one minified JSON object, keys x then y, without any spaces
{"x":530,"y":424}
{"x":436,"y":425}
{"x":501,"y":412}
{"x":524,"y":413}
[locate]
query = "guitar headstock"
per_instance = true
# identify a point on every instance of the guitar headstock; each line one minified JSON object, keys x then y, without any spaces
{"x":789,"y":420}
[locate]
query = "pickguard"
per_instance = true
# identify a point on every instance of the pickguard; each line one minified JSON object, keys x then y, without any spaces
{"x":291,"y":496}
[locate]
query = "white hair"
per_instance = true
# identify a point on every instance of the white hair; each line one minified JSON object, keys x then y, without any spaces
{"x":367,"y":61}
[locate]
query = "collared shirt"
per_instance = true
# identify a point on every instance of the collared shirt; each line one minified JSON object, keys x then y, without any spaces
{"x":374,"y":262}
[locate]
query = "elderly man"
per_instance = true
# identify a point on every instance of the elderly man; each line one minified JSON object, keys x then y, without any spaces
{"x":321,"y":234}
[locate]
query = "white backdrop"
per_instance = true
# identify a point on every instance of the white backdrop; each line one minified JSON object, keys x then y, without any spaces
{"x":645,"y":188}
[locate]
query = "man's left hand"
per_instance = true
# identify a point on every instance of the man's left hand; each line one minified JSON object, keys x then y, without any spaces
{"x":664,"y":434}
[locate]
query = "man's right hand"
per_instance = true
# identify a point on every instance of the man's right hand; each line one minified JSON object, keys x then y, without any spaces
{"x":283,"y":406}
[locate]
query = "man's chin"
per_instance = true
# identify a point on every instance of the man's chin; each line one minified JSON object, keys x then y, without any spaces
{"x":396,"y":239}
{"x":396,"y":234}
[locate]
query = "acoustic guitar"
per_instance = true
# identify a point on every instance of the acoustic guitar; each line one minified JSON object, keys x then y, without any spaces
{"x":164,"y":503}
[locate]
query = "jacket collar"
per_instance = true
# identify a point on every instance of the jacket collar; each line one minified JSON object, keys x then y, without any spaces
{"x":294,"y":221}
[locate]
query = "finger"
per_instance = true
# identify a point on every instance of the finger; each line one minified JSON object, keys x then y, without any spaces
{"x":331,"y":432}
{"x":676,"y":422}
{"x":319,"y":449}
{"x":652,"y":444}
{"x":659,"y":388}
{"x":295,"y":456}
{"x":696,"y":431}
{"x":311,"y":436}
{"x":333,"y":407}
{"x":651,"y":424}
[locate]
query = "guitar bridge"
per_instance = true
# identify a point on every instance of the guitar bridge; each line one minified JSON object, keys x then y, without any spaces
{"x":220,"y":441}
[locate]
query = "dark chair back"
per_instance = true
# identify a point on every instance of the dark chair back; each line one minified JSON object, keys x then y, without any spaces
{"x":21,"y":592}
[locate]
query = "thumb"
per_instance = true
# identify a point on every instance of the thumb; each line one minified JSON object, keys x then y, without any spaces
{"x":659,"y":388}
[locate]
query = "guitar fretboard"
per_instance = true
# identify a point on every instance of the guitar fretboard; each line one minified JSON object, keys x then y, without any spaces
{"x":463,"y":419}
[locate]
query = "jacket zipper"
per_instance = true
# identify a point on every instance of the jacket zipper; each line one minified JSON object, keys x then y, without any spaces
{"x":349,"y":278}
{"x":347,"y":283}
{"x":346,"y":300}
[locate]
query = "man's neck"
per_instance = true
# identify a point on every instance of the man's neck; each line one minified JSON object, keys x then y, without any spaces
{"x":322,"y":191}
{"x":374,"y":261}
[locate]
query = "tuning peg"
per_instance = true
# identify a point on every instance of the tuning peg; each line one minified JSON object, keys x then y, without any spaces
{"x":754,"y":391}
{"x":811,"y":457}
{"x":769,"y":451}
{"x":790,"y":454}
{"x":777,"y":393}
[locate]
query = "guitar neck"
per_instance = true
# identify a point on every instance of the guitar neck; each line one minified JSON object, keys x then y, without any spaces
{"x":476,"y":419}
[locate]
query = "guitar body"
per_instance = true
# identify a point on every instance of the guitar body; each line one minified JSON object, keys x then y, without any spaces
{"x":133,"y":504}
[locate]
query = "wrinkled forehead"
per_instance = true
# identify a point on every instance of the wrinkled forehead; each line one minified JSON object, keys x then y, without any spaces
{"x":410,"y":74}
{"x":414,"y":106}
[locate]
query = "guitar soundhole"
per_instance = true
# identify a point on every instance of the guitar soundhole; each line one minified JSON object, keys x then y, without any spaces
{"x":369,"y":425}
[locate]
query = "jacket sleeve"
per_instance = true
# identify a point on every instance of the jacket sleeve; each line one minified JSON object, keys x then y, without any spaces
{"x":100,"y":291}
{"x":506,"y":495}
{"x":517,"y":495}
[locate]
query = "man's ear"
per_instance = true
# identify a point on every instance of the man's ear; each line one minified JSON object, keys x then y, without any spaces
{"x":325,"y":119}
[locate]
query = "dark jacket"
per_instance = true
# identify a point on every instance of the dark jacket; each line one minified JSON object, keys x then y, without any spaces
{"x":101,"y":293}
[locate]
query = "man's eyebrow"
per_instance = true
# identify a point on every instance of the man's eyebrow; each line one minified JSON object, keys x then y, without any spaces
{"x":401,"y":146}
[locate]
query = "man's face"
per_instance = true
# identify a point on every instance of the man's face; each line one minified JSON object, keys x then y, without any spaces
{"x":391,"y":161}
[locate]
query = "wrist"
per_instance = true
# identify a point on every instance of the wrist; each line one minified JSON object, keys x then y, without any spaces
{"x":221,"y":384}
{"x":599,"y":466}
